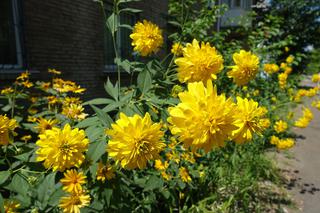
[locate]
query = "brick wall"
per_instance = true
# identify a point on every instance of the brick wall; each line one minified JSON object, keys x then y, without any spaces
{"x":68,"y":36}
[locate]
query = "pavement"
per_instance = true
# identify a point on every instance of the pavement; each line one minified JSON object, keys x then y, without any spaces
{"x":301,"y":166}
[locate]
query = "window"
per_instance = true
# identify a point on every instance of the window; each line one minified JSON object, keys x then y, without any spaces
{"x":124,"y":48}
{"x":10,"y":44}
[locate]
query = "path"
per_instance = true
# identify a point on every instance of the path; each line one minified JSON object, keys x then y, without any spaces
{"x":303,"y":168}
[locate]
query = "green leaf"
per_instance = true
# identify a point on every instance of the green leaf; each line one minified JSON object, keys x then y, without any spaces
{"x":131,"y":10}
{"x":112,"y":23}
{"x":112,"y":90}
{"x":55,"y":196}
{"x":108,"y":194}
{"x":98,"y":101}
{"x":96,"y":150}
{"x":153,"y":182}
{"x":1,"y":204}
{"x":45,"y":189}
{"x":91,"y":121}
{"x":19,"y":185}
{"x":126,"y":26}
{"x":144,"y":81}
{"x":4,"y":175}
{"x":105,"y":119}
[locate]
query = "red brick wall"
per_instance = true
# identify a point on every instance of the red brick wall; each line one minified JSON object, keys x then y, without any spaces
{"x":68,"y":36}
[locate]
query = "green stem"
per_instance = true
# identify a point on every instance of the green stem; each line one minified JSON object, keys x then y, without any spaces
{"x":13,"y":101}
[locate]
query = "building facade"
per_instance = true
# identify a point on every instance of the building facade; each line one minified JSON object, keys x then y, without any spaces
{"x":66,"y":35}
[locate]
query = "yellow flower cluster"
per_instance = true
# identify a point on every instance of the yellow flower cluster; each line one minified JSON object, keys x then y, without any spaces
{"x":286,"y":143}
{"x":23,"y":80}
{"x":280,"y":126}
{"x":7,"y":127}
{"x":146,"y":38}
{"x":7,"y":91}
{"x":134,"y":141}
{"x":245,"y":69}
{"x":204,"y":119}
{"x":282,"y":77}
{"x":184,"y":174}
{"x":199,"y":62}
{"x":62,"y":149}
{"x":271,"y":68}
{"x":306,"y":118}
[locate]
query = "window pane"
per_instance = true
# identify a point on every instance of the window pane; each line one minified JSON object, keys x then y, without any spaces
{"x":237,"y":3}
{"x":125,"y":42}
{"x":8,"y":53}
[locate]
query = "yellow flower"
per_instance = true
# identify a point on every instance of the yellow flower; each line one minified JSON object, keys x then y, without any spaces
{"x":45,"y":86}
{"x":203,"y":119}
{"x":26,"y":138}
{"x":71,"y":100}
{"x":11,"y":206}
{"x":63,"y":86}
{"x":285,"y":143}
{"x":302,"y":122}
{"x":165,"y":175}
{"x":74,"y":202}
{"x":73,"y":180}
{"x":282,"y":80}
{"x":23,"y":76}
{"x":199,"y":62}
{"x":188,"y":157}
{"x":44,"y":124}
{"x":315,"y":78}
{"x":74,"y":112}
{"x":185,"y":177}
{"x":160,"y":166}
{"x":7,"y":91}
{"x":249,"y":115}
{"x":283,"y":65}
{"x":246,"y":67}
{"x":307,"y":113}
{"x":174,"y":156}
{"x":52,"y":100}
{"x":32,"y":119}
{"x":274,"y":140}
{"x":177,"y":49}
{"x":105,"y":172}
{"x":280,"y":126}
{"x":287,"y":70}
{"x":316,"y":104}
{"x":265,"y":123}
{"x":289,"y":59}
{"x":7,"y":126}
{"x":62,"y":149}
{"x":134,"y":141}
{"x":54,"y":71}
{"x":287,"y":49}
{"x":146,"y":38}
{"x":27,"y":84}
{"x":271,"y":68}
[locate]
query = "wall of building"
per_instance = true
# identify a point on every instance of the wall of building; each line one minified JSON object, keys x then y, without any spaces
{"x":68,"y":36}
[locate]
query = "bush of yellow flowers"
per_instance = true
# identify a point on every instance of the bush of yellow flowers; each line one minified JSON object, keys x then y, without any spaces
{"x":188,"y":135}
